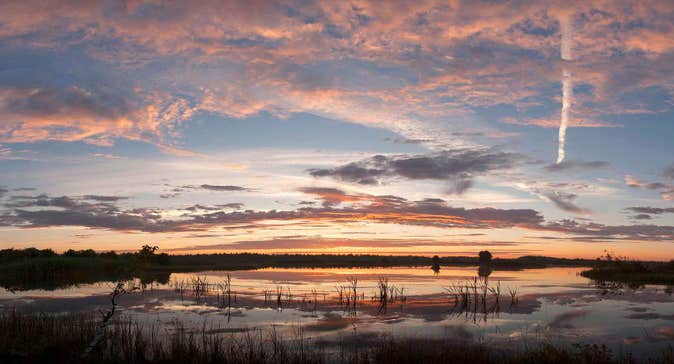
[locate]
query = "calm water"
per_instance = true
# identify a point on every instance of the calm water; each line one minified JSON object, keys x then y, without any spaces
{"x":552,"y":304}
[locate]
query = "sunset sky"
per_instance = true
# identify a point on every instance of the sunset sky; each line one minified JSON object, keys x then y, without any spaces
{"x":391,"y":127}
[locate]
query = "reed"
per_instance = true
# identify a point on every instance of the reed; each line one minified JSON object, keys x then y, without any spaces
{"x":340,"y":294}
{"x":513,"y":296}
{"x":200,"y":287}
{"x":60,"y":339}
{"x":353,"y":288}
{"x":179,"y":286}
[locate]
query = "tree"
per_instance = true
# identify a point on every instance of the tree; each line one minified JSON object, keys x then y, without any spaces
{"x":146,"y":256}
{"x":147,"y":252}
{"x":436,"y":264}
{"x":484,"y":257}
{"x":484,"y":270}
{"x":109,"y":254}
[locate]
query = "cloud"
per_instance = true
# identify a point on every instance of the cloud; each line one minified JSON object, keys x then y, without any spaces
{"x":576,"y":165}
{"x":338,"y":207}
{"x":175,"y":191}
{"x":106,"y":156}
{"x":594,"y":231}
{"x":668,"y":172}
{"x":198,"y":207}
{"x":563,"y":320}
{"x":223,"y":188}
{"x":460,"y":186}
{"x":633,"y":182}
{"x":564,"y":194}
{"x":333,"y":196}
{"x":666,"y":190}
{"x":651,"y":210}
{"x":92,"y":115}
{"x":388,"y":209}
{"x":232,"y":205}
{"x":645,"y":213}
{"x":552,"y":122}
{"x":565,"y":201}
{"x":457,"y":166}
{"x":103,"y":198}
{"x":304,"y":242}
{"x":73,"y":102}
{"x":407,"y":141}
{"x":413,"y":70}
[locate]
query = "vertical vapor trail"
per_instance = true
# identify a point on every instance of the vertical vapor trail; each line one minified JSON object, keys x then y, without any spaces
{"x":567,"y":83}
{"x":567,"y":94}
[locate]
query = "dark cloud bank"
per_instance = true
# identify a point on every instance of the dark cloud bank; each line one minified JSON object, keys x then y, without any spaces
{"x":456,"y":166}
{"x":338,"y":206}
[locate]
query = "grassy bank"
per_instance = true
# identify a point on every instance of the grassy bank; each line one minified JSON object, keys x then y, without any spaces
{"x":632,"y":272}
{"x":23,"y":269}
{"x":62,"y":339}
{"x":57,"y":272}
{"x":257,"y":261}
{"x":44,"y":269}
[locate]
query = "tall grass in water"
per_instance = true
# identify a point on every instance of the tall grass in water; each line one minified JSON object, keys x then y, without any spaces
{"x":283,"y":296}
{"x":224,"y":293}
{"x":476,"y":296}
{"x":611,"y":271}
{"x":179,"y":287}
{"x":513,"y":296}
{"x":388,"y":293}
{"x":200,"y":287}
{"x":61,"y":339}
{"x":353,"y":287}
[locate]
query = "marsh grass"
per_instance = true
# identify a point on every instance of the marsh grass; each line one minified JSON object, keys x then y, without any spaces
{"x":513,"y":296}
{"x":475,"y":297}
{"x":179,"y":286}
{"x":200,"y":287}
{"x":388,"y":293}
{"x":61,"y":339}
{"x":613,"y":270}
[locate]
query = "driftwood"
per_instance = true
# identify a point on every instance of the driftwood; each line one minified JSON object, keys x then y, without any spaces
{"x":120,"y":289}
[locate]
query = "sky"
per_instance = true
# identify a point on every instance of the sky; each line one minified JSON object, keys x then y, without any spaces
{"x":397,"y":127}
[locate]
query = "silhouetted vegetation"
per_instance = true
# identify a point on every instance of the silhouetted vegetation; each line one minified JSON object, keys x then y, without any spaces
{"x":242,"y":261}
{"x":24,"y":269}
{"x":435,"y":264}
{"x":31,"y":268}
{"x":63,"y":339}
{"x":484,"y":257}
{"x":614,"y":269}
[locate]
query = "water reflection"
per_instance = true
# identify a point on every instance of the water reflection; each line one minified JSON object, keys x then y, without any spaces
{"x":552,"y":303}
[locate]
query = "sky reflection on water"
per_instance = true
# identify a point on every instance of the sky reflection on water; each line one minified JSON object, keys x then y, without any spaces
{"x":552,"y":304}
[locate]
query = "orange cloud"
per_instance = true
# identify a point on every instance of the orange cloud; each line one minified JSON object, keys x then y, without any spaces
{"x":464,"y":55}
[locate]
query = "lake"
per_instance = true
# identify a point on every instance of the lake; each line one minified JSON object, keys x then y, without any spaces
{"x":508,"y":307}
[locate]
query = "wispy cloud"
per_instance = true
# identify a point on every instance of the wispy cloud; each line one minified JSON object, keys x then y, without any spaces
{"x":415,"y":69}
{"x":221,"y":188}
{"x":666,"y":190}
{"x":308,"y":242}
{"x":565,"y":201}
{"x":646,"y":212}
{"x":576,"y":165}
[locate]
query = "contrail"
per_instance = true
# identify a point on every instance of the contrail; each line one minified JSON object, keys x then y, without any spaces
{"x":567,"y":83}
{"x":567,"y":94}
